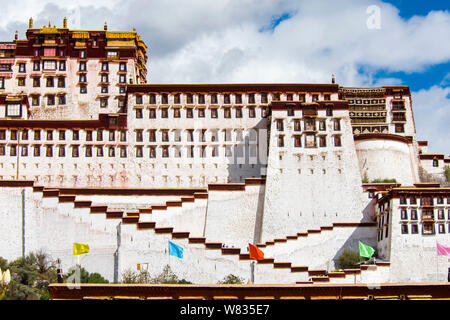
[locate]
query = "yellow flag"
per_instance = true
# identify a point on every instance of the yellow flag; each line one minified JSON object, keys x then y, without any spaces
{"x":79,"y":248}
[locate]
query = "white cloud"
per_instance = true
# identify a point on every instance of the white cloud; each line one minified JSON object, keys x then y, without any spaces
{"x":432,"y":117}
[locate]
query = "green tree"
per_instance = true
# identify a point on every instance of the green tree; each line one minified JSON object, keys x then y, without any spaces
{"x":30,"y":277}
{"x":231,"y":279}
{"x":447,"y":173}
{"x":96,"y":278}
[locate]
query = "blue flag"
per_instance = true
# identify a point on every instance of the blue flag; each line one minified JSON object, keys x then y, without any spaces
{"x":175,"y":250}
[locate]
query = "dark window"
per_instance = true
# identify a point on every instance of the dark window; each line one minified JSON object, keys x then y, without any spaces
{"x":176,"y":113}
{"x":404,"y":228}
{"x":189,"y":98}
{"x":213,"y":113}
{"x":51,"y":100}
{"x":165,"y":98}
{"x":36,"y":82}
{"x":404,"y":215}
{"x":238,"y":112}
{"x":290,"y":111}
{"x":100,"y":135}
{"x":337,"y":125}
{"x":61,"y":82}
{"x":177,"y":98}
{"x":152,"y":135}
{"x":111,"y":152}
{"x":75,"y":135}
{"x":189,"y":113}
{"x":152,"y":99}
{"x":13,"y":151}
{"x":62,"y":99}
{"x":75,"y":151}
{"x":152,"y":153}
{"x":226,"y":98}
{"x":165,"y":151}
{"x":280,"y":126}
{"x":238,"y":98}
{"x":201,"y":98}
{"x":123,"y":136}
{"x":164,"y":113}
{"x":22,"y":68}
{"x":263,"y":97}
{"x":89,"y":135}
{"x":329,"y":111}
{"x":297,"y":141}
{"x":227,"y":113}
{"x":139,"y":136}
{"x":37,"y":151}
{"x":337,"y":141}
{"x":123,"y":152}
{"x":280,"y":141}
{"x":322,"y":141}
{"x":49,"y":135}
{"x":251,"y":98}
{"x":88,"y":151}
{"x":214,"y":98}
{"x":139,"y":152}
{"x":139,"y":114}
{"x":414,"y":229}
{"x":402,"y":200}
{"x":152,"y":113}
{"x":251,"y":112}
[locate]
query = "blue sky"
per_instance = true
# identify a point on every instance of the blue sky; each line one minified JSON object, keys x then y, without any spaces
{"x":433,"y":74}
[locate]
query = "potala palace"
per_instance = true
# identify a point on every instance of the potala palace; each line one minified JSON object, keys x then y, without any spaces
{"x":92,"y":153}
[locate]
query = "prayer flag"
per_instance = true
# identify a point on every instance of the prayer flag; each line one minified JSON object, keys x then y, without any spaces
{"x":365,"y":250}
{"x":441,"y":250}
{"x":175,"y":250}
{"x":79,"y":248}
{"x":255,"y":253}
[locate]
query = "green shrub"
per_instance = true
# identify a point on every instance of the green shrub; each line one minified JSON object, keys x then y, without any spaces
{"x":165,"y":277}
{"x":348,"y":259}
{"x":384,"y":181}
{"x":232,"y":279}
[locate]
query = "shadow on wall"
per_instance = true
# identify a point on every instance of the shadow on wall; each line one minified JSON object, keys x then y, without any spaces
{"x":369,"y":214}
{"x":249,"y":159}
{"x":366,"y":235}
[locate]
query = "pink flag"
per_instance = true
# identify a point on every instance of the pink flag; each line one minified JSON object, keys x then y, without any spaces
{"x":441,"y":250}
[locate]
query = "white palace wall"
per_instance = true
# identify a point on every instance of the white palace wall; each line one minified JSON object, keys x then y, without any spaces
{"x":310,"y":187}
{"x":387,"y":159}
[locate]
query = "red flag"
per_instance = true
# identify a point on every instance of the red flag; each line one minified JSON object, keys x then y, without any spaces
{"x":255,"y":253}
{"x":441,"y":250}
